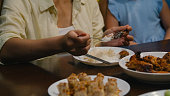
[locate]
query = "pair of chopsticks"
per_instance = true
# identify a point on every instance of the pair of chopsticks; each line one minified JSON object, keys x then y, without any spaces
{"x":98,"y":59}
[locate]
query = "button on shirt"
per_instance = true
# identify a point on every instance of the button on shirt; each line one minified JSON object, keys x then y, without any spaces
{"x":37,"y":19}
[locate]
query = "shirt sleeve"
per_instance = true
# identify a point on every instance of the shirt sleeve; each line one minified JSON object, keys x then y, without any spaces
{"x":97,"y":22}
{"x":12,"y":23}
{"x":160,"y":5}
{"x":113,"y":8}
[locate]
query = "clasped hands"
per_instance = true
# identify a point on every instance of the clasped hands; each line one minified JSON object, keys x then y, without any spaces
{"x":77,"y":42}
{"x":124,"y":40}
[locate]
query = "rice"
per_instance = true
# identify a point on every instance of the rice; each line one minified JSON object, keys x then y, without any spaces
{"x":106,"y":54}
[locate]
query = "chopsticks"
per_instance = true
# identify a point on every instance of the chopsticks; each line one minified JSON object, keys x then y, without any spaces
{"x":98,"y":59}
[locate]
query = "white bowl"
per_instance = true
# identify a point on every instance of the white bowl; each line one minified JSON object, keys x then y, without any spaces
{"x":144,"y":76}
{"x":114,"y":61}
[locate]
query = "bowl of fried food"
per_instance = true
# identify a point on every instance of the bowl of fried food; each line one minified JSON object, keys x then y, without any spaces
{"x":151,"y":67}
{"x":109,"y":54}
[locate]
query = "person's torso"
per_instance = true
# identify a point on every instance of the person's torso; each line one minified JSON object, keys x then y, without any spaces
{"x":144,"y":17}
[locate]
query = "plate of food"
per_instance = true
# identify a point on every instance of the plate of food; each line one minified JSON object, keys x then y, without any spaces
{"x":153,"y":67}
{"x":110,"y":54}
{"x":89,"y":85}
{"x":165,"y":92}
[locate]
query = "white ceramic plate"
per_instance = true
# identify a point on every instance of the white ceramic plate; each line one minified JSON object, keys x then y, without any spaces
{"x":144,"y":76}
{"x":155,"y":93}
{"x":122,"y":85}
{"x":114,"y":61}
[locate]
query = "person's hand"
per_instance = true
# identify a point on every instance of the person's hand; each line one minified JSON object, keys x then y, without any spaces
{"x":76,"y":42}
{"x":123,"y":40}
{"x":132,"y":43}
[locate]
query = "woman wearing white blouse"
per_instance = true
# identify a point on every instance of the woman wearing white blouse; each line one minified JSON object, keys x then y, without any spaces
{"x":31,"y":29}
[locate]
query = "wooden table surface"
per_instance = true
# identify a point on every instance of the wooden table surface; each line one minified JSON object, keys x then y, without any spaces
{"x":26,"y":79}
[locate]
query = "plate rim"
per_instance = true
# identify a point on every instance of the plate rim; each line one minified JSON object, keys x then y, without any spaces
{"x":148,"y":93}
{"x":118,"y":80}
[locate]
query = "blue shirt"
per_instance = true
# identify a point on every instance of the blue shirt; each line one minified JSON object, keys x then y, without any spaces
{"x":168,"y":2}
{"x":142,"y":15}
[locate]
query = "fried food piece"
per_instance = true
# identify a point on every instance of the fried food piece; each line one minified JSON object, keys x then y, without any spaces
{"x":72,"y":80}
{"x":140,"y":66}
{"x":151,"y":59}
{"x":111,"y":88}
{"x":136,"y":56}
{"x":94,"y":90}
{"x":167,"y":57}
{"x":80,"y":89}
{"x":123,"y":54}
{"x":97,"y":92}
{"x":168,"y":68}
{"x":83,"y":77}
{"x":63,"y":89}
{"x":99,"y":80}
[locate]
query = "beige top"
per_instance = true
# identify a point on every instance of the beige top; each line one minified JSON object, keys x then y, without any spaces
{"x":63,"y":31}
{"x":37,"y":19}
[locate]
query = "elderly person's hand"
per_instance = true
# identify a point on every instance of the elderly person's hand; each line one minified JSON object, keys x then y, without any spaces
{"x":124,"y":40}
{"x":76,"y":42}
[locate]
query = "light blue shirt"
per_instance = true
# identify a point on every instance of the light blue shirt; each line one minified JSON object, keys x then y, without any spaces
{"x":142,"y":15}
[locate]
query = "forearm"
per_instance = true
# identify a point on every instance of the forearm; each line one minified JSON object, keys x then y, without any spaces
{"x":167,"y":36}
{"x":164,"y":15}
{"x":111,"y":20}
{"x":16,"y":49}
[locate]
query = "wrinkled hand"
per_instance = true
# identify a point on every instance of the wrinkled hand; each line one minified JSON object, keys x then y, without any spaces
{"x":123,"y":41}
{"x":76,"y":42}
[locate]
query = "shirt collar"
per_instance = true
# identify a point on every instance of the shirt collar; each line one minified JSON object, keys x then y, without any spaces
{"x":45,"y":4}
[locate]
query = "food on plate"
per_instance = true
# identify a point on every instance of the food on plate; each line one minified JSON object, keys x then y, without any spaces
{"x":83,"y":85}
{"x":108,"y":37}
{"x":116,"y":35}
{"x":167,"y":93}
{"x":123,"y":54}
{"x":63,"y":89}
{"x":105,"y":54}
{"x":167,"y":57}
{"x":150,"y":63}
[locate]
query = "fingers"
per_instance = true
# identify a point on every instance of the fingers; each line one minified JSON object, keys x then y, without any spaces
{"x":80,"y":51}
{"x":78,"y":42}
{"x":129,"y":28}
{"x":130,"y":38}
{"x":108,"y":31}
{"x":118,"y":29}
{"x":80,"y":36}
{"x":114,"y":42}
{"x":132,"y":43}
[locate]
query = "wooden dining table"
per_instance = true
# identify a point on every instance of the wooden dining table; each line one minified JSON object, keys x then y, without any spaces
{"x":28,"y":79}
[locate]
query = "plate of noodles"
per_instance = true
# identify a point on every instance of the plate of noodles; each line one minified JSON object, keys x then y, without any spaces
{"x":89,"y":85}
{"x":151,"y":67}
{"x":110,"y":54}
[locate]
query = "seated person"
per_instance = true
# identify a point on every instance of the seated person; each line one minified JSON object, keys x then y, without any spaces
{"x":30,"y":30}
{"x":148,"y":18}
